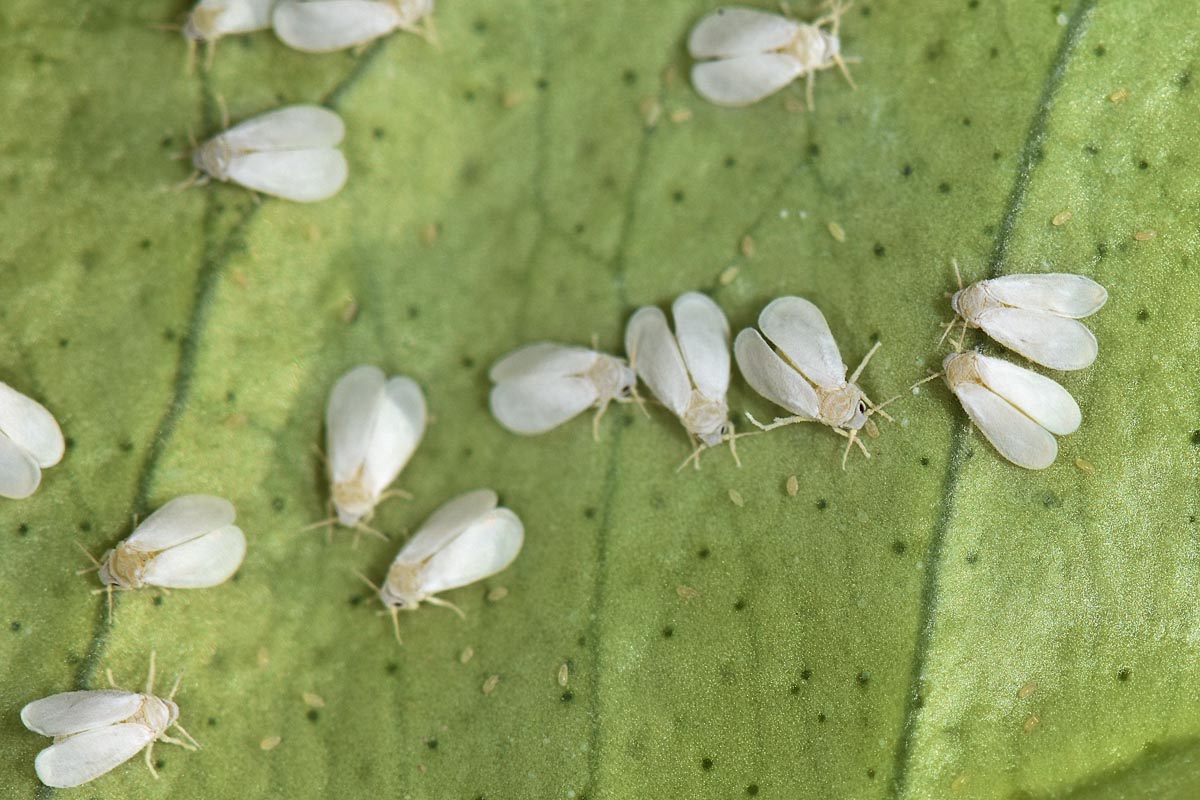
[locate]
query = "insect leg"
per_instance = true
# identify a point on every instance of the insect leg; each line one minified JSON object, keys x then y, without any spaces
{"x":437,"y":601}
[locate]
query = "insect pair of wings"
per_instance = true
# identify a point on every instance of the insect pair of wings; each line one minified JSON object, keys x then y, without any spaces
{"x":290,"y":153}
{"x":1034,"y":315}
{"x":326,"y":26}
{"x":1016,"y":409}
{"x":30,"y":441}
{"x":542,"y":385}
{"x":465,"y":540}
{"x":756,"y":53}
{"x":373,"y":425}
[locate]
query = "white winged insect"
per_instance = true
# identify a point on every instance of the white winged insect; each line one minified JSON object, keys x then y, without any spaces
{"x":290,"y":153}
{"x":324,"y":26}
{"x":30,"y":441}
{"x":1034,"y":315}
{"x":209,"y":20}
{"x":373,"y":425}
{"x":464,"y":541}
{"x":96,"y":731}
{"x":688,"y":371}
{"x":189,"y":543}
{"x":804,"y":372}
{"x":1016,"y":409}
{"x":542,"y":385}
{"x":757,"y":53}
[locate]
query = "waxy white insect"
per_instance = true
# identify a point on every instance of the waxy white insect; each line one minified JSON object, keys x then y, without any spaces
{"x":542,"y":385}
{"x":96,"y":731}
{"x":809,"y":378}
{"x":464,"y":541}
{"x":757,"y":53}
{"x":688,"y":371}
{"x":372,"y":427}
{"x":323,"y":26}
{"x":189,"y":543}
{"x":210,"y":20}
{"x":1016,"y":409}
{"x":30,"y":441}
{"x":1034,"y":315}
{"x":290,"y":153}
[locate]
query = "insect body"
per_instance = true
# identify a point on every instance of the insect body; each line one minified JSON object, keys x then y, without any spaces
{"x":1016,"y":409}
{"x":323,"y":26}
{"x":30,"y":441}
{"x":372,"y":425}
{"x":464,"y":541}
{"x":96,"y":731}
{"x":756,"y":53}
{"x":542,"y":385}
{"x":1035,"y":315}
{"x":290,"y":153}
{"x":688,"y":371}
{"x":190,"y":543}
{"x":804,"y":372}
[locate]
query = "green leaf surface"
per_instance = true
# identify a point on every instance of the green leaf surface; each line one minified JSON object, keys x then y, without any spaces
{"x":933,"y":622}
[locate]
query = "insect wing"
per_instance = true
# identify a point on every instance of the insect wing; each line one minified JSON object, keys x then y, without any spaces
{"x":302,"y":127}
{"x":19,"y":473}
{"x":181,"y":520}
{"x":535,"y":404}
{"x":799,"y":330}
{"x":302,"y":176}
{"x":85,"y":756}
{"x":743,"y":80}
{"x":451,"y":519}
{"x":655,"y":357}
{"x":30,"y":426}
{"x":1059,"y":293}
{"x":73,"y":712}
{"x":489,"y":545}
{"x":772,"y":377}
{"x":1045,"y":338}
{"x":206,"y":561}
{"x":703,"y":335}
{"x":1038,"y":397}
{"x":1017,"y":437}
{"x":733,"y":31}
{"x":328,"y":25}
{"x":399,"y":426}
{"x":543,"y":359}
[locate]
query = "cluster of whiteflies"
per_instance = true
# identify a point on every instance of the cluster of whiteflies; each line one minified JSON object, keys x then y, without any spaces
{"x":793,"y":361}
{"x":373,"y":426}
{"x":292,"y":152}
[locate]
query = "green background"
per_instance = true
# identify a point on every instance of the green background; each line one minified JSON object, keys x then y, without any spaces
{"x":866,"y":638}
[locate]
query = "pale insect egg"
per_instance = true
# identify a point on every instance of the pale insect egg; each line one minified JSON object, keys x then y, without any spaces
{"x":744,"y":54}
{"x":373,"y":425}
{"x":1034,"y":315}
{"x":540,"y":386}
{"x":290,"y":153}
{"x":688,"y":369}
{"x":795,"y":363}
{"x":466,"y":540}
{"x":491,"y":683}
{"x":189,"y":543}
{"x":1017,"y":410}
{"x":325,"y":26}
{"x":97,"y":730}
{"x":564,"y":674}
{"x":30,"y":441}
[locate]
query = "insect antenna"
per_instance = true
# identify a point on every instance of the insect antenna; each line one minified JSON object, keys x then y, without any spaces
{"x":778,"y":423}
{"x":95,"y":564}
{"x":863,"y":364}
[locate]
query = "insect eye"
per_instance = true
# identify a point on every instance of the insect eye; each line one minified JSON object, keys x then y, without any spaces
{"x":862,"y":406}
